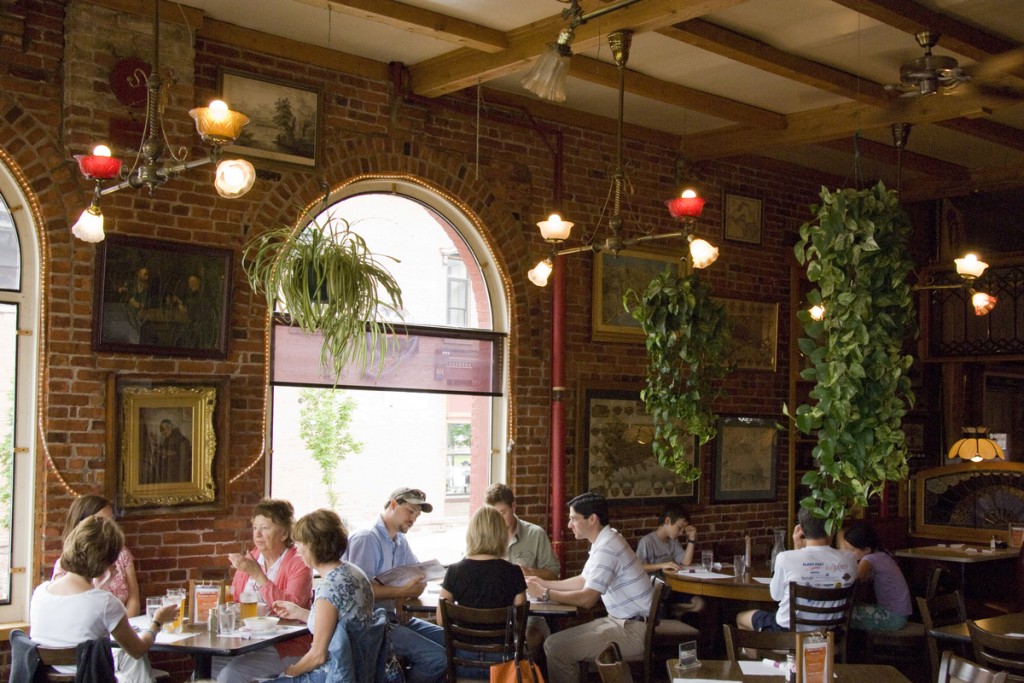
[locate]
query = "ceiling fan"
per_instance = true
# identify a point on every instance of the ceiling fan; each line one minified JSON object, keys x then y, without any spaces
{"x":929,"y":73}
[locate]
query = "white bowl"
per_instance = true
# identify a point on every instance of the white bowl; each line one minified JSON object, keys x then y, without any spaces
{"x":257,"y":624}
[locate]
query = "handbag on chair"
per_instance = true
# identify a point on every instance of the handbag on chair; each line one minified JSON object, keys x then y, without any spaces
{"x":516,"y":671}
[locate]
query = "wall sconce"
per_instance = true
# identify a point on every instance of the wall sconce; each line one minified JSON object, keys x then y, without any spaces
{"x":969,"y":267}
{"x":976,"y":446}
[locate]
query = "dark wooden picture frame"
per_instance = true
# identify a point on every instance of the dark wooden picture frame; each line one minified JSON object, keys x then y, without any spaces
{"x":161,"y":298}
{"x":755,"y":333}
{"x":166,"y":445}
{"x":742,"y":222}
{"x":616,"y":457}
{"x":284,"y":118}
{"x":746,"y":459}
{"x":614,"y":275}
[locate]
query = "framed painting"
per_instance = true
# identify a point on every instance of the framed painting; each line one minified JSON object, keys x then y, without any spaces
{"x":755,"y":333}
{"x":161,"y":298}
{"x":616,"y":274}
{"x":742,"y":219}
{"x":745,"y":459}
{"x":616,"y":457}
{"x":167,"y":445}
{"x":284,"y":119}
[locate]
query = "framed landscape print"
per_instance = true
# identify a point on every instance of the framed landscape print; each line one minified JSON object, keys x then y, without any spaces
{"x":745,"y":459}
{"x":161,"y":298}
{"x":284,"y":119}
{"x":617,"y":459}
{"x":616,"y":274}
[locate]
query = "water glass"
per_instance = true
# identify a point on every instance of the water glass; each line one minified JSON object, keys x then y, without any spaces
{"x":739,"y":565}
{"x":152,"y":605}
{"x":687,"y":656}
{"x":707,"y":559}
{"x":227,"y":618}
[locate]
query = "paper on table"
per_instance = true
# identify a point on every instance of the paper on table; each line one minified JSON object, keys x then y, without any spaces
{"x":711,"y":575}
{"x":752,"y":668}
{"x":762,"y":579}
{"x":141,"y":622}
{"x":697,"y":680}
{"x":399,"y":576}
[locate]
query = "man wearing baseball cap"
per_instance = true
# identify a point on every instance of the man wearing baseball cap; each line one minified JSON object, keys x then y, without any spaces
{"x":384,"y":546}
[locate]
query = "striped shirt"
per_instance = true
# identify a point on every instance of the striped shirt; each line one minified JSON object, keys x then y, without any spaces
{"x":614,"y":571}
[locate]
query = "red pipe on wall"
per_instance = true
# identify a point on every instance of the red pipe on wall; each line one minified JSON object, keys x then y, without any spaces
{"x":558,"y":410}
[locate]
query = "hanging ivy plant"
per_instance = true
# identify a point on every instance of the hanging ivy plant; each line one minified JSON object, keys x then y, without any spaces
{"x":856,"y":254}
{"x":688,"y":354}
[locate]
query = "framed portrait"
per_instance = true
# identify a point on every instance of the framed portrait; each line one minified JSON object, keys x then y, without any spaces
{"x":161,"y":298}
{"x":167,"y":445}
{"x":1016,"y":535}
{"x":616,"y":456}
{"x":742,"y":219}
{"x":616,"y":274}
{"x":284,"y":119}
{"x":755,"y":333}
{"x":745,"y":459}
{"x":914,"y":436}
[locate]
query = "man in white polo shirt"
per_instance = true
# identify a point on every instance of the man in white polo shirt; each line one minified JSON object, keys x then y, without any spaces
{"x":613,"y":574}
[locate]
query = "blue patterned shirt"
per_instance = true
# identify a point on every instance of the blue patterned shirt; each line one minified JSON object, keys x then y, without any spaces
{"x":347,"y":588}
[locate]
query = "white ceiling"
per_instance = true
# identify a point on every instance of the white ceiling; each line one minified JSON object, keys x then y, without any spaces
{"x":868,"y":46}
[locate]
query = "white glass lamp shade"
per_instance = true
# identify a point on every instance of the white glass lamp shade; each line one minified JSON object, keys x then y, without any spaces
{"x":976,"y":446}
{"x":702,"y":253}
{"x":547,"y":78}
{"x":817,"y":312}
{"x":983,"y":303}
{"x":217,"y":124}
{"x":234,"y":178}
{"x":554,"y":229}
{"x":540,"y":273}
{"x":89,"y":227}
{"x":970,"y":267}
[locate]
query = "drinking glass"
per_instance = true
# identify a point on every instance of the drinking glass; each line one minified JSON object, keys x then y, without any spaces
{"x":707,"y":559}
{"x":739,"y":565}
{"x":152,"y":605}
{"x":687,"y":655}
{"x":249,"y":605}
{"x":227,"y":617}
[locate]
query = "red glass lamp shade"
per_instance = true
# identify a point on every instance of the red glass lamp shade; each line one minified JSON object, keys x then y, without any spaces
{"x":689,"y":205}
{"x":98,"y":167}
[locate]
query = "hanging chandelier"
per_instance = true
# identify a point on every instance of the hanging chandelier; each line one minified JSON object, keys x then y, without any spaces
{"x":685,"y":209}
{"x":217,"y":126}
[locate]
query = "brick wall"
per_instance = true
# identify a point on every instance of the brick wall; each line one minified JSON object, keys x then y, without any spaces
{"x":368,"y":128}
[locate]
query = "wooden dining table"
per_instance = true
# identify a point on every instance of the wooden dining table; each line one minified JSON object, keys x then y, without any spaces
{"x":1004,"y":624}
{"x":203,"y":646}
{"x":426,"y":603}
{"x":725,"y":595}
{"x":722,"y":670}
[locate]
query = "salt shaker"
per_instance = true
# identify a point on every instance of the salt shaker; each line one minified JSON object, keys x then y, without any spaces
{"x":790,"y":668}
{"x":212,"y":623}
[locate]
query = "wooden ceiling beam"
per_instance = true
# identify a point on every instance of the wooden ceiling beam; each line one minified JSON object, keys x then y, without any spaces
{"x":992,"y":179}
{"x":420,"y":21}
{"x":602,"y":73}
{"x":990,"y":131}
{"x":911,"y":161}
{"x":747,"y":50}
{"x":463,"y":68}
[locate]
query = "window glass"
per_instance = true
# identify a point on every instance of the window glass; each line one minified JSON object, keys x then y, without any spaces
{"x":8,"y":363}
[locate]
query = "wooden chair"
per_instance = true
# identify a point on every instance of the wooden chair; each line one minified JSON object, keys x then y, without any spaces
{"x":822,"y":609}
{"x":610,"y":666}
{"x":651,"y":621}
{"x":667,"y":633}
{"x":498,"y":634}
{"x":57,"y":656}
{"x":779,"y":643}
{"x":955,"y":669}
{"x":945,"y":609}
{"x":999,"y":652}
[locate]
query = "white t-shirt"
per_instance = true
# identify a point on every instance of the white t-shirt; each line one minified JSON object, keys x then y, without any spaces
{"x":820,"y":566}
{"x":67,"y":620}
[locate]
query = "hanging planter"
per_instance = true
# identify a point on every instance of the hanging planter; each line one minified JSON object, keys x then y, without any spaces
{"x":327,"y":280}
{"x":687,"y":337}
{"x":856,"y":254}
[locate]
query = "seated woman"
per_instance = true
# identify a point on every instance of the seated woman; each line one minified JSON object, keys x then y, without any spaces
{"x":483,"y":579}
{"x":273,"y":570}
{"x":343,"y":595}
{"x":876,"y":567}
{"x":72,"y":610}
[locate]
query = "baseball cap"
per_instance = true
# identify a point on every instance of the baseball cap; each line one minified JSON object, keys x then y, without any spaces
{"x":411,"y":496}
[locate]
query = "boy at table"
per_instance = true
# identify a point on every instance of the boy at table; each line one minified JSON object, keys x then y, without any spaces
{"x":814,"y":563}
{"x":662,"y":550}
{"x":382,"y":547}
{"x":612,"y":574}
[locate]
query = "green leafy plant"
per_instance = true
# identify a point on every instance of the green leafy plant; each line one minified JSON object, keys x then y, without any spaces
{"x":328,"y":281}
{"x":325,"y":416}
{"x":687,"y":336}
{"x":856,"y":254}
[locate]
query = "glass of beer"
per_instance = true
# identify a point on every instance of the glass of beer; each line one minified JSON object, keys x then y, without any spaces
{"x":249,"y":605}
{"x":175,"y":596}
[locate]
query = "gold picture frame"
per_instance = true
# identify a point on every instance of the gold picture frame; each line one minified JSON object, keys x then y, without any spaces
{"x":614,"y":275}
{"x":167,"y":446}
{"x":755,"y":333}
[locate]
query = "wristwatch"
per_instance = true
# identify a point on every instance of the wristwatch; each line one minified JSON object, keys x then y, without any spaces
{"x":546,"y":596}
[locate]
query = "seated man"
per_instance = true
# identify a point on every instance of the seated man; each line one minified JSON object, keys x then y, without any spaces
{"x":613,"y":574}
{"x":814,"y":563}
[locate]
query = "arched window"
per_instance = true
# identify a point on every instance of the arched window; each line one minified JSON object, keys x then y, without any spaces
{"x":19,"y":357}
{"x":435,"y":418}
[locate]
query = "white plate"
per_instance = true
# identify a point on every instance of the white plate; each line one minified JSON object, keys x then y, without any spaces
{"x":956,"y":545}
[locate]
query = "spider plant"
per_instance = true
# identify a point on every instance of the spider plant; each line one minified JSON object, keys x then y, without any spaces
{"x":326,"y":280}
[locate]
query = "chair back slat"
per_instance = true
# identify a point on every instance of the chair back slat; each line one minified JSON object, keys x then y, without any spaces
{"x":500,"y":631}
{"x":822,"y":609}
{"x":944,"y":609}
{"x":775,"y":642}
{"x":955,"y":669}
{"x":999,"y":652}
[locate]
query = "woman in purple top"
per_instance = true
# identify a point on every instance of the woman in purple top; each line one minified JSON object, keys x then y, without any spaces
{"x":875,"y":566}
